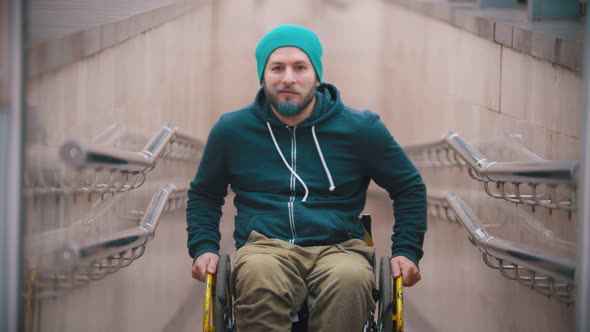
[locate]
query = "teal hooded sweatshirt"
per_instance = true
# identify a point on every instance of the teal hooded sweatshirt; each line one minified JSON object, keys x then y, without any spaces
{"x":307,"y":184}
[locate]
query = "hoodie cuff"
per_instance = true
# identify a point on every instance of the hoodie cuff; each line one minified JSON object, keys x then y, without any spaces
{"x":407,"y":254}
{"x":203,"y":250}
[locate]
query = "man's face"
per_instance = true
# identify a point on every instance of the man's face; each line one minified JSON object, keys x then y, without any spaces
{"x":289,"y":80}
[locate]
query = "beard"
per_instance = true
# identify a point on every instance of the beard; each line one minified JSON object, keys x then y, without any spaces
{"x":288,"y":108}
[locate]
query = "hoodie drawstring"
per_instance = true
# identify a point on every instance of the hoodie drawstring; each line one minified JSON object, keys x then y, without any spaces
{"x":287,"y":164}
{"x":317,"y":145}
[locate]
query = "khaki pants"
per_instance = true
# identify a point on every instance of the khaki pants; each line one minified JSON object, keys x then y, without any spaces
{"x":273,"y":278}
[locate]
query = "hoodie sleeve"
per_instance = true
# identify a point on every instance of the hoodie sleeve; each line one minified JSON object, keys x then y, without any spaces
{"x":207,"y":195}
{"x":390,"y":168}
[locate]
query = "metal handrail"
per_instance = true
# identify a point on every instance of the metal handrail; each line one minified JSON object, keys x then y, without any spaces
{"x":545,"y":272}
{"x":78,"y":262}
{"x":509,"y":177}
{"x":78,"y":155}
{"x":102,"y":169}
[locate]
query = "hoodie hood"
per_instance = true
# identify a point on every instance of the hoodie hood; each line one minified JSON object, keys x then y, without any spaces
{"x":327,"y":104}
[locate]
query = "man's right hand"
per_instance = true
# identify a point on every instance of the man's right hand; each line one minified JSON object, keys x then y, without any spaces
{"x":206,"y":263}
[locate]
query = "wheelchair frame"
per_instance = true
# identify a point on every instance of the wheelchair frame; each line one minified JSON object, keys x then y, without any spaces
{"x":218,"y":311}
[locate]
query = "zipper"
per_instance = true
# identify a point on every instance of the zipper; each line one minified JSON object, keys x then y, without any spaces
{"x":293,"y":183}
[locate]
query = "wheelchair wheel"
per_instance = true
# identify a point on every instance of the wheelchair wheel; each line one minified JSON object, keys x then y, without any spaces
{"x":223,"y":297}
{"x":386,"y":299}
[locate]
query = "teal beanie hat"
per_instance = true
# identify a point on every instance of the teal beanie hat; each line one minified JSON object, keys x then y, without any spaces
{"x":290,"y":35}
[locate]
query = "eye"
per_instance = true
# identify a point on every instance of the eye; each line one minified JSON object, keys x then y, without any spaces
{"x":276,"y":68}
{"x":300,"y":68}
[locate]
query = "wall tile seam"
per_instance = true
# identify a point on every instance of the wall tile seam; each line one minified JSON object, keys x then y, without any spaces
{"x":487,"y":108}
{"x":536,"y":124}
{"x":484,"y":31}
{"x":500,"y":77}
{"x":474,"y":103}
{"x":78,"y":45}
{"x":556,"y":132}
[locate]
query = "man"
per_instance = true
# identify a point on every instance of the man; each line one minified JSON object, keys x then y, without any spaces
{"x":299,"y":162}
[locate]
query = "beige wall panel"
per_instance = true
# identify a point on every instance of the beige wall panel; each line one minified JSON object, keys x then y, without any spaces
{"x":73,"y":114}
{"x":357,"y":78}
{"x":351,"y":36}
{"x":537,"y":92}
{"x":403,"y":49}
{"x":476,"y":70}
{"x":237,"y":29}
{"x":51,"y":107}
{"x":516,"y":79}
{"x":272,"y":13}
{"x":106,"y":77}
{"x":403,"y":94}
{"x":403,"y":106}
{"x":568,"y":89}
{"x":200,"y":78}
{"x":564,"y":147}
{"x":97,"y":104}
{"x":431,"y":76}
{"x":234,"y":80}
{"x":534,"y":138}
{"x":349,"y":24}
{"x":466,"y":118}
{"x":559,"y":224}
{"x":440,"y":55}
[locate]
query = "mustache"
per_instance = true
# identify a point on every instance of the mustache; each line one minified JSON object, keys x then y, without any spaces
{"x":285,"y":89}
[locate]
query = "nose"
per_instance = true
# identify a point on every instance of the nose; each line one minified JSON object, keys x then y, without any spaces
{"x":289,"y":77}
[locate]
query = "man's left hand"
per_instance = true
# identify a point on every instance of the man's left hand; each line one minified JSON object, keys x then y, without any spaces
{"x":400,"y":265}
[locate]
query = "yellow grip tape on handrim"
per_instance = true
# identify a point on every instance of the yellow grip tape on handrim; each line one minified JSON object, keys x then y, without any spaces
{"x":209,"y":304}
{"x":398,"y":312}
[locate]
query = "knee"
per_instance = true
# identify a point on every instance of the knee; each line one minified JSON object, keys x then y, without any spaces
{"x":353,"y":276}
{"x":254,"y":268}
{"x":263,"y":280}
{"x":261,"y":272}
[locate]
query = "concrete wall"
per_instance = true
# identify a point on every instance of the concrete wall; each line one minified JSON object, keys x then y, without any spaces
{"x":441,"y":78}
{"x":159,"y":76}
{"x":423,"y":76}
{"x":476,"y":87}
{"x":349,"y":30}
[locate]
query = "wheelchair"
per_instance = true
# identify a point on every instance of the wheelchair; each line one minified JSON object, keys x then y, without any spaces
{"x":218,"y":310}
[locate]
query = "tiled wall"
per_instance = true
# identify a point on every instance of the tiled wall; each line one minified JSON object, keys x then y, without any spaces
{"x":160,"y":76}
{"x":349,"y":30}
{"x":442,"y":78}
{"x":445,"y":77}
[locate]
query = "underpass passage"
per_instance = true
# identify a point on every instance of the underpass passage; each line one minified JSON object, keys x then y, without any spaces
{"x":121,"y":95}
